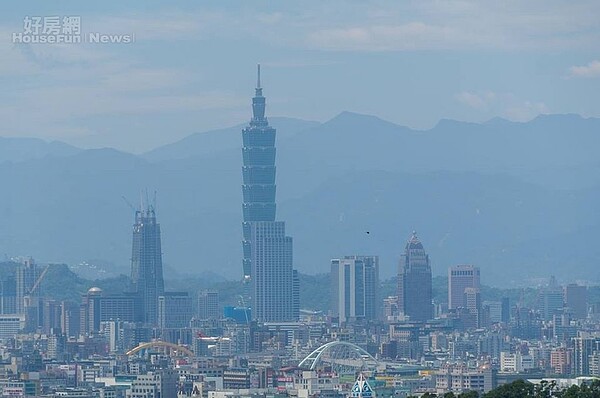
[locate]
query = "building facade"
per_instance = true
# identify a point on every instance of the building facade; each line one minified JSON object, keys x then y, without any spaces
{"x":175,"y":310}
{"x":354,"y":286}
{"x":258,"y":173}
{"x":267,"y":251}
{"x":461,"y":277}
{"x":414,"y":282}
{"x":576,"y":300}
{"x":146,"y":264}
{"x":272,"y":273}
{"x":208,"y":305}
{"x":28,"y":272}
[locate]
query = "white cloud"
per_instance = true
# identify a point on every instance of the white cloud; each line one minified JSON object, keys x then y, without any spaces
{"x":522,"y":111}
{"x":410,"y":36}
{"x":456,"y":24}
{"x":590,"y":70}
{"x":507,"y":105}
{"x":475,"y":100}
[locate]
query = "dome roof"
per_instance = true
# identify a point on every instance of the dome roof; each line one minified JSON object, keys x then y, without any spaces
{"x":94,"y":290}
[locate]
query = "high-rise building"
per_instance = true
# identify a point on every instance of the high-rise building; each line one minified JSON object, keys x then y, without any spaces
{"x":146,"y":264}
{"x":8,"y":295}
{"x":576,"y":300}
{"x":272,"y":278}
{"x":296,"y":294}
{"x":28,"y":273}
{"x":585,"y":345}
{"x":505,"y":309}
{"x":208,"y":305}
{"x":472,"y":298}
{"x":258,"y":172}
{"x":175,"y":310}
{"x":414,"y":282}
{"x":96,"y":307}
{"x":69,"y":318}
{"x":267,"y":251}
{"x":461,"y":277}
{"x":354,"y":285}
{"x":551,"y":300}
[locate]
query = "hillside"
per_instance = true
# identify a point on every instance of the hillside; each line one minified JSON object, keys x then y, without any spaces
{"x":516,"y":197}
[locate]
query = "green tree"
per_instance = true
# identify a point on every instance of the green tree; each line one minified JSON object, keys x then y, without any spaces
{"x":516,"y":389}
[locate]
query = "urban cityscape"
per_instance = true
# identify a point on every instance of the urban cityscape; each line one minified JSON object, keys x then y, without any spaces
{"x":363,"y":325}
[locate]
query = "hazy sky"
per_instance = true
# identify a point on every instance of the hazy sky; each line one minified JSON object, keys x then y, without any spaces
{"x":192,"y":65}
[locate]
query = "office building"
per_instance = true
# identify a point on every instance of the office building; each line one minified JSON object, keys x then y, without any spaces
{"x":414,"y":282}
{"x":505,"y":309}
{"x":146,"y":264}
{"x":354,"y":286}
{"x":8,"y":295}
{"x":272,"y":273}
{"x":576,"y":300}
{"x":70,"y":318}
{"x":11,"y":325}
{"x":584,"y":347}
{"x":461,"y":277}
{"x":267,"y":251}
{"x":208,"y":305}
{"x":156,"y":384}
{"x":551,"y":300}
{"x":96,"y":307}
{"x":175,"y":310}
{"x":472,"y":299}
{"x":27,"y":275}
{"x":258,"y":172}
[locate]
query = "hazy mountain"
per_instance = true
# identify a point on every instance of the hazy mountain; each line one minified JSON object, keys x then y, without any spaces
{"x":14,"y":149}
{"x":466,"y":188}
{"x":499,"y":223}
{"x":555,"y":150}
{"x":207,"y":143}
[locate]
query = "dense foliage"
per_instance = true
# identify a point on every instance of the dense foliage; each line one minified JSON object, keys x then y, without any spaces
{"x":524,"y":389}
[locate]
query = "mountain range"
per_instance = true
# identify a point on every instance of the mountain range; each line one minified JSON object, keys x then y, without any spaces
{"x":520,"y":200}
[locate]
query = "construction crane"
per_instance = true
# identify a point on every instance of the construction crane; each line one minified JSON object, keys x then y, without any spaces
{"x":243,"y":302}
{"x":128,"y":203}
{"x":36,"y":284}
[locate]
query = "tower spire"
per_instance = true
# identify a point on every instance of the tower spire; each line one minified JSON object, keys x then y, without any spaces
{"x":258,"y":102}
{"x":258,"y":79}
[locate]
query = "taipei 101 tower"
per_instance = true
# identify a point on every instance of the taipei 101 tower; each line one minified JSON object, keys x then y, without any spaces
{"x":270,"y":281}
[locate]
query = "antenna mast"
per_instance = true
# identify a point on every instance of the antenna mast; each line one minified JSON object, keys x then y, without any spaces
{"x":258,"y":79}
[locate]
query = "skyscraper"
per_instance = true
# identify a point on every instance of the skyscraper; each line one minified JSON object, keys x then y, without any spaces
{"x":461,"y":277}
{"x":576,"y":300}
{"x":258,"y":172}
{"x":208,"y":305}
{"x":414,"y":282}
{"x":267,"y":251}
{"x":27,"y":274}
{"x":175,"y":310}
{"x":354,"y":285}
{"x":472,"y":300}
{"x":551,"y":300}
{"x":146,"y":264}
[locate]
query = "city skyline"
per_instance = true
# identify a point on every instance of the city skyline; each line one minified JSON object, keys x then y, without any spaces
{"x":280,"y":262}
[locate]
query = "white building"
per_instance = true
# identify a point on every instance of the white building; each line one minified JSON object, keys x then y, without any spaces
{"x":354,"y":285}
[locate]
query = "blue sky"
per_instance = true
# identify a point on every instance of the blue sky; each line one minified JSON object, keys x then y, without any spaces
{"x":192,"y":65}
